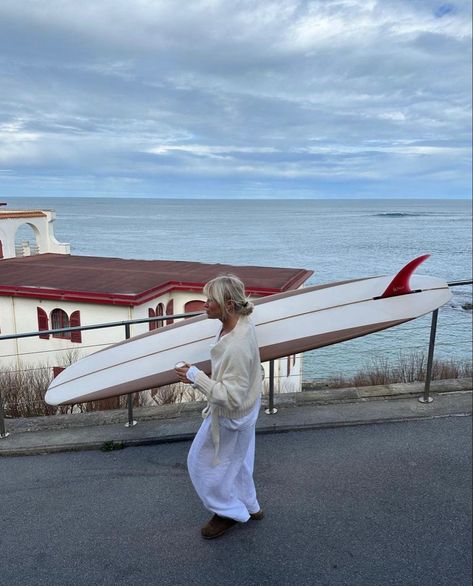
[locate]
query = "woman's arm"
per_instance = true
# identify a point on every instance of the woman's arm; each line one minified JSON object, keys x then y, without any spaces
{"x":230,"y":391}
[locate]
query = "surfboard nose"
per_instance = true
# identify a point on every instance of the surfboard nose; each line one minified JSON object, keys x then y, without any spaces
{"x":53,"y":394}
{"x":52,"y":397}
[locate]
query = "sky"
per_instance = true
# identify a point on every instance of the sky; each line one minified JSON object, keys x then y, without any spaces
{"x":235,"y":98}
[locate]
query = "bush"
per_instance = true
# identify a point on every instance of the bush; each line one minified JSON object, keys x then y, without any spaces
{"x":407,"y":368}
{"x":23,"y":394}
{"x":176,"y":393}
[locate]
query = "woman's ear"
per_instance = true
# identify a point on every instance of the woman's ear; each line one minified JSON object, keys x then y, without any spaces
{"x":229,"y":306}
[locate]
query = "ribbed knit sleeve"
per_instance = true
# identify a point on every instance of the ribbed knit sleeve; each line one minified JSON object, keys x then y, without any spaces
{"x":235,"y":383}
{"x":231,"y":389}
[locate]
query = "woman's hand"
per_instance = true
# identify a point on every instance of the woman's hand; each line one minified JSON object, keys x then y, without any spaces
{"x":181,"y":369}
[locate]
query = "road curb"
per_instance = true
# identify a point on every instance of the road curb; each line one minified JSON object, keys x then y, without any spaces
{"x":290,"y":417}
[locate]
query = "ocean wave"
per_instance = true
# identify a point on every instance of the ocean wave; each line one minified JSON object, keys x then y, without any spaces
{"x":399,"y":214}
{"x":463,"y":305}
{"x":462,"y":300}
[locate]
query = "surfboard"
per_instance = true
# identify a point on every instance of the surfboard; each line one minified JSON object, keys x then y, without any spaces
{"x":286,"y":323}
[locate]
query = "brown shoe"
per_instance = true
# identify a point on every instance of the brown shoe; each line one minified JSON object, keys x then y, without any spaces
{"x":217,"y":526}
{"x":257,"y":516}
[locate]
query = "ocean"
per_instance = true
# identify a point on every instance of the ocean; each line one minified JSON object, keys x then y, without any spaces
{"x":337,"y":239}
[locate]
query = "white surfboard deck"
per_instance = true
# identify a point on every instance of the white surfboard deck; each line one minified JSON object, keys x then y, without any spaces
{"x":286,"y":323}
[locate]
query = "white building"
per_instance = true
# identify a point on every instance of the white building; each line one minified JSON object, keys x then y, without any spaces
{"x":53,"y":289}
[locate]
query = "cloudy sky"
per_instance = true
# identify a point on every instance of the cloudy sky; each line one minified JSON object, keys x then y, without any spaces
{"x":235,"y":98}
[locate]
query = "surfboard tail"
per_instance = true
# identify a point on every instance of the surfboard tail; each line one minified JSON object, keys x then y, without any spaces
{"x":400,"y":284}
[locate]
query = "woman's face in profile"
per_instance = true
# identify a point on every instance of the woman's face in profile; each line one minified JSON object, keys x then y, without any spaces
{"x":212,"y":308}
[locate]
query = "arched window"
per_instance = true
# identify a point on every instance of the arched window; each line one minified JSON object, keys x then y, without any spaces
{"x":26,"y":240}
{"x":156,"y":313}
{"x":59,"y":319}
{"x":159,"y":312}
{"x":194,"y":305}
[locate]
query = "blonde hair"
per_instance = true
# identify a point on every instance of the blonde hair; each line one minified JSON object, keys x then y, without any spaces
{"x":229,"y":287}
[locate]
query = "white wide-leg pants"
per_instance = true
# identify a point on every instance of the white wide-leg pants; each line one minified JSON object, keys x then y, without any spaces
{"x":227,"y":488}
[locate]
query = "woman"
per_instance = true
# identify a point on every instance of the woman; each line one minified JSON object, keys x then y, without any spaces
{"x":221,"y":457}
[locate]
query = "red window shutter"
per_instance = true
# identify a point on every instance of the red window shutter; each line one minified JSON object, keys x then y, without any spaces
{"x":75,"y":322}
{"x":43,"y":323}
{"x":170,"y":311}
{"x":57,"y":370}
{"x":152,"y":324}
{"x":1,"y":249}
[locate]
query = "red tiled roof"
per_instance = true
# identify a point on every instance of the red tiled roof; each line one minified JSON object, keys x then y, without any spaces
{"x":120,"y":281}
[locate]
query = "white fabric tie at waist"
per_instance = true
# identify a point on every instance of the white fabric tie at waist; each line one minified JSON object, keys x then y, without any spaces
{"x":215,"y":430}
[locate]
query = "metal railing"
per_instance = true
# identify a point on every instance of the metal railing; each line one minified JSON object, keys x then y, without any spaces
{"x":112,"y":324}
{"x":424,"y":398}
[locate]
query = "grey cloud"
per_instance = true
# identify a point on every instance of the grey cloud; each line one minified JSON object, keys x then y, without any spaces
{"x":122,"y":90}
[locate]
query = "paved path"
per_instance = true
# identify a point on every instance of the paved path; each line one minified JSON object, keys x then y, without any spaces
{"x":374,"y":505}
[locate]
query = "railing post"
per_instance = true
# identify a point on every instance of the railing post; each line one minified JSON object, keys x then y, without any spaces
{"x":426,"y":397}
{"x":3,"y":433}
{"x":271,"y":409}
{"x":131,"y":422}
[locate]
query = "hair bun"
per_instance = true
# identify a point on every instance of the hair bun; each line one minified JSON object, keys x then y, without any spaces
{"x":246,"y":308}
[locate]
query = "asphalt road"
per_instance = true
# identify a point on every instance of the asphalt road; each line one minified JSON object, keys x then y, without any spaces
{"x":369,"y":505}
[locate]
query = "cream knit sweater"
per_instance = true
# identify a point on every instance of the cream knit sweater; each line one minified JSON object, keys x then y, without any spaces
{"x":236,"y":381}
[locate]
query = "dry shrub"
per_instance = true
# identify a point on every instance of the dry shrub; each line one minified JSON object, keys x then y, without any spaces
{"x":119,"y":402}
{"x":23,"y":392}
{"x":176,"y":393}
{"x":406,"y":369}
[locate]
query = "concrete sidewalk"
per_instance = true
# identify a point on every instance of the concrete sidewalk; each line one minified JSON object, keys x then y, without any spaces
{"x":295,"y":411}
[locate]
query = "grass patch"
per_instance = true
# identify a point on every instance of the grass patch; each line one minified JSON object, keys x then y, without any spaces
{"x":111,"y":446}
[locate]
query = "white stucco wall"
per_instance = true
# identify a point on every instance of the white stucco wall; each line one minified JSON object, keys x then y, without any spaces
{"x":18,"y":315}
{"x":8,"y":348}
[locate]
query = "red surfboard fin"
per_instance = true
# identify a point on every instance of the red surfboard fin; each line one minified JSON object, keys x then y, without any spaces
{"x":400,"y":284}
